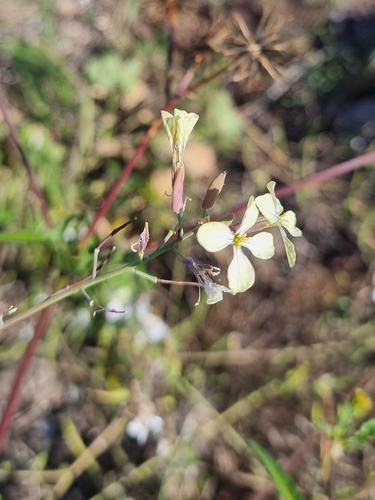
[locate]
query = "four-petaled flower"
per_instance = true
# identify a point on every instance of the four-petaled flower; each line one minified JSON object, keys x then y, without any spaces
{"x":215,"y":236}
{"x":273,"y":211}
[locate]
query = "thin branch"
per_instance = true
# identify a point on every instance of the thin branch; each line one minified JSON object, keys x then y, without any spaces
{"x":89,"y":282}
{"x":33,"y":181}
{"x":22,"y":372}
{"x":334,"y":171}
{"x":46,"y":308}
{"x":97,"y":268}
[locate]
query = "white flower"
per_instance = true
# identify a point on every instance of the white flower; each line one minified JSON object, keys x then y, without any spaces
{"x":215,"y":236}
{"x":272,"y":210}
{"x":140,"y":427}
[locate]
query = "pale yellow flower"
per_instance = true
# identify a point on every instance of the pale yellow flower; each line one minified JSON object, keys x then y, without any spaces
{"x":215,"y":236}
{"x":273,"y":211}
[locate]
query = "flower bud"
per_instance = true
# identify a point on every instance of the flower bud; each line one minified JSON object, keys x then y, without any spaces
{"x":178,"y":190}
{"x":213,"y":191}
{"x":178,"y":127}
{"x":141,"y":244}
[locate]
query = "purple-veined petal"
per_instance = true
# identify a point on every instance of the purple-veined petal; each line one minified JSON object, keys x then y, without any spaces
{"x":214,"y":236}
{"x":241,"y":274}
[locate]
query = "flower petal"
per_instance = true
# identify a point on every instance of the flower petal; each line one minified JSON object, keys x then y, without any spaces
{"x":278,"y":206}
{"x":289,"y":248}
{"x":241,"y":275}
{"x":289,"y":222}
{"x":261,"y":245}
{"x":214,"y":236}
{"x":184,"y":125}
{"x":214,"y":291}
{"x":267,"y":207}
{"x":178,"y":128}
{"x":168,"y":122}
{"x":249,"y":218}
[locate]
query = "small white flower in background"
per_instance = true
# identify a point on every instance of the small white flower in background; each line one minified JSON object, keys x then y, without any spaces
{"x":215,"y":236}
{"x":204,"y":274}
{"x":273,"y":211}
{"x":154,"y":328}
{"x":144,"y":423}
{"x":121,"y":300}
{"x":70,"y":234}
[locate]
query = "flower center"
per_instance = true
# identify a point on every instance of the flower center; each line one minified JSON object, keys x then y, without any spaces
{"x":239,"y":239}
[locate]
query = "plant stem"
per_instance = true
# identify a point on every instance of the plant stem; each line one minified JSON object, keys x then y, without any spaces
{"x":22,"y":372}
{"x":89,"y":282}
{"x":33,"y":181}
{"x":334,"y":171}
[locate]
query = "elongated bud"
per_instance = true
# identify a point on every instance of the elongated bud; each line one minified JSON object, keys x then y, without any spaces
{"x":213,"y":191}
{"x":178,"y":191}
{"x":178,"y":127}
{"x":141,"y":244}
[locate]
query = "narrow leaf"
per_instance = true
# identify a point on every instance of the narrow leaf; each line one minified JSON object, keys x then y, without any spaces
{"x":282,"y":481}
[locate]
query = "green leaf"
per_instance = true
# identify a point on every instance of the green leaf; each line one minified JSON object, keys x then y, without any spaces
{"x":111,"y":72}
{"x":366,"y":431}
{"x":282,"y":481}
{"x":28,"y":236}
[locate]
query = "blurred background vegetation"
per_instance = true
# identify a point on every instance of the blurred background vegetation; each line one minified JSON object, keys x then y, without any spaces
{"x":170,"y":400}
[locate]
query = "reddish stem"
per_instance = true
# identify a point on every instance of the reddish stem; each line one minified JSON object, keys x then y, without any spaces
{"x":33,"y":181}
{"x":110,"y":198}
{"x":336,"y":170}
{"x":22,"y":372}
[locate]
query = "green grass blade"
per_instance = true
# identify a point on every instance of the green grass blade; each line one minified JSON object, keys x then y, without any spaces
{"x":28,"y":236}
{"x":282,"y":481}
